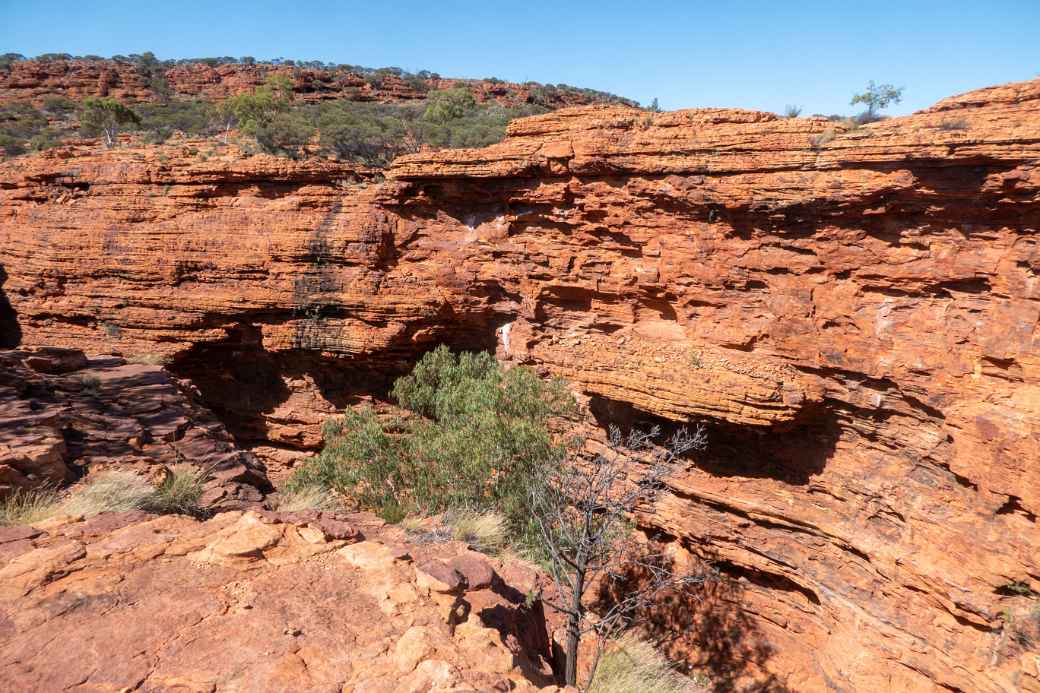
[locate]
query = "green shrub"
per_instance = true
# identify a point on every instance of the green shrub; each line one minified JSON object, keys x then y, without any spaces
{"x":285,"y":133}
{"x":480,"y":438}
{"x":159,"y":121}
{"x":449,"y":104}
{"x":19,"y":124}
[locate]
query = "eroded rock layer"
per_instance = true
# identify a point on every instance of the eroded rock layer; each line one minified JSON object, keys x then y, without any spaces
{"x":854,"y":313}
{"x":63,"y":415}
{"x":35,"y":80}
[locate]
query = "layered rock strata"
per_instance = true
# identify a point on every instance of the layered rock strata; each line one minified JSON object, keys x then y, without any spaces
{"x":853,"y":311}
{"x":35,"y":80}
{"x":63,"y":415}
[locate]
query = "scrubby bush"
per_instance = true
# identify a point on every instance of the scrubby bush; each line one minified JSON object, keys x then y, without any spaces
{"x":876,"y":98}
{"x":484,"y":531}
{"x":284,"y":133}
{"x":105,"y":116}
{"x":307,"y":498}
{"x":19,"y":124}
{"x":159,"y":121}
{"x":479,"y":438}
{"x":449,"y":104}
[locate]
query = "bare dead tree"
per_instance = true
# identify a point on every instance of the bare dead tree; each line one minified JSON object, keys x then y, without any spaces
{"x":582,"y":514}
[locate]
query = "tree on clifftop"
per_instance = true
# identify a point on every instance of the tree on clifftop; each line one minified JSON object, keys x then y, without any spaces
{"x":252,"y":112}
{"x":877,"y":97}
{"x":105,"y":115}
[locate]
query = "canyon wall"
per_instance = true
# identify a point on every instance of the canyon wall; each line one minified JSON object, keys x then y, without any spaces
{"x":852,"y":311}
{"x":35,"y":80}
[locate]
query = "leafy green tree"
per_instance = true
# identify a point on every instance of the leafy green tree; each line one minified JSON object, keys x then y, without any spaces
{"x":252,"y":112}
{"x":654,"y":106}
{"x":480,"y":438}
{"x":449,"y":104}
{"x":104,"y":116}
{"x":877,"y":97}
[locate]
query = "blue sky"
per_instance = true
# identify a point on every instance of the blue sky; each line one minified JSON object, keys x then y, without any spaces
{"x":751,"y":54}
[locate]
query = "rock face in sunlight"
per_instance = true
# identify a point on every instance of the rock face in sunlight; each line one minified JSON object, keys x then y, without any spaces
{"x":34,"y":80}
{"x":302,"y":601}
{"x":852,"y":311}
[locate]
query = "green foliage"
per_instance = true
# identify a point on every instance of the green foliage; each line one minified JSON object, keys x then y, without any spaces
{"x":368,"y":133}
{"x":877,"y":97}
{"x":8,"y":59}
{"x":481,"y":436}
{"x":104,"y":116}
{"x":58,"y":105}
{"x":159,"y":121}
{"x":19,"y":124}
{"x":254,"y":110}
{"x":449,"y":104}
{"x":284,"y":133}
{"x":375,"y":134}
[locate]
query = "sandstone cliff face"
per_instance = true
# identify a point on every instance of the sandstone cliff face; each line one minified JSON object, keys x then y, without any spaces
{"x":853,"y":311}
{"x":33,"y":80}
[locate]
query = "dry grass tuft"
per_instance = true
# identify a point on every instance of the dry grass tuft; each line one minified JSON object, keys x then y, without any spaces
{"x":632,"y":664}
{"x":28,"y":507}
{"x":149,"y":359}
{"x":308,"y":498}
{"x":486,"y":532}
{"x":179,"y":491}
{"x":111,"y":491}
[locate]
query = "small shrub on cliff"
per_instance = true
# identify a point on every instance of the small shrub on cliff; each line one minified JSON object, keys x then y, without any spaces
{"x":105,"y":116}
{"x":876,"y":98}
{"x":480,"y":437}
{"x":19,"y":125}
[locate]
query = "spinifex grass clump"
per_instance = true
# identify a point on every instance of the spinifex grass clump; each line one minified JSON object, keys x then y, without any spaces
{"x":480,"y":437}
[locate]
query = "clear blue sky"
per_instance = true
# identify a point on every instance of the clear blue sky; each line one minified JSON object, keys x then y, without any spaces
{"x":752,"y":54}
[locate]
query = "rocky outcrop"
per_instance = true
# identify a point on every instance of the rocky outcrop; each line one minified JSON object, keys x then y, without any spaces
{"x":34,"y":80}
{"x":62,"y":415}
{"x":261,"y":602}
{"x":853,"y":311}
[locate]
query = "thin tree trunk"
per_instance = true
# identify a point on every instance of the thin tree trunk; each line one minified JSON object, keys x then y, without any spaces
{"x":574,"y":628}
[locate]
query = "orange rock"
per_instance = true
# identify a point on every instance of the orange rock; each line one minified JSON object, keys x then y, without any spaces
{"x":34,"y":80}
{"x":853,"y":311}
{"x":280,"y":617}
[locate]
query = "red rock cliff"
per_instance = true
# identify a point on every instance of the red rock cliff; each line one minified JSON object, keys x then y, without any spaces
{"x":34,"y":80}
{"x":853,"y":311}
